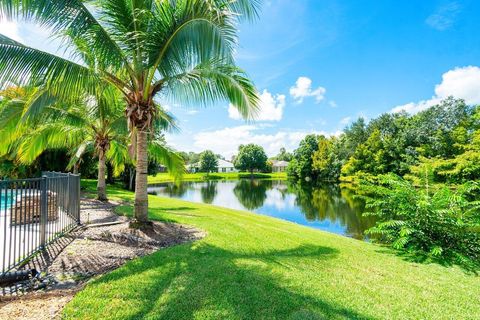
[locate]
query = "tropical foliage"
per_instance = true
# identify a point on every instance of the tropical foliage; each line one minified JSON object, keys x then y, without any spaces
{"x":146,"y":50}
{"x":440,"y":224}
{"x":88,"y":125}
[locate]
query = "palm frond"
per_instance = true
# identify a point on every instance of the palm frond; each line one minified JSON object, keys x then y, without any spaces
{"x":69,"y":19}
{"x":27,"y":65}
{"x":212,"y":82}
{"x":162,"y":154}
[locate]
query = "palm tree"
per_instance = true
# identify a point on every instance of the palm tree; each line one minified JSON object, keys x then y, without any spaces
{"x":95,"y":125}
{"x":170,"y":49}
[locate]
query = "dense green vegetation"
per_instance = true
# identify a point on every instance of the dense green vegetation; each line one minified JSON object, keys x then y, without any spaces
{"x":255,"y":267}
{"x":439,"y":224}
{"x":440,"y":145}
{"x":445,"y":137}
{"x":34,"y":122}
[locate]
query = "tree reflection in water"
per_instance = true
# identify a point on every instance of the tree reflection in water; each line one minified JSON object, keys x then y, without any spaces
{"x":328,"y":207}
{"x":208,"y":191}
{"x":252,"y":193}
{"x":330,"y":202}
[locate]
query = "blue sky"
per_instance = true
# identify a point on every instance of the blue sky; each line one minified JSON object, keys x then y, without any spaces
{"x":319,"y":64}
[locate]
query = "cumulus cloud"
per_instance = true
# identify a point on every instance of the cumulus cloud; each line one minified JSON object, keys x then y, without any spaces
{"x":271,"y":108}
{"x":226,"y":141}
{"x":303,"y":89}
{"x":10,"y":29}
{"x":463,"y":83}
{"x":444,"y":16}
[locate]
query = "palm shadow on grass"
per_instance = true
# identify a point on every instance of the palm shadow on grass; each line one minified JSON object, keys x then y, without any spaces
{"x":422,"y":258}
{"x":178,"y":283}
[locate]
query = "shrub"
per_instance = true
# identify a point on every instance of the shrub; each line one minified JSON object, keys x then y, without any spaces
{"x":440,"y":224}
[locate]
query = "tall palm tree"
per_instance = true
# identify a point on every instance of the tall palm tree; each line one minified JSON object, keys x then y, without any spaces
{"x":88,"y":124}
{"x":171,"y":49}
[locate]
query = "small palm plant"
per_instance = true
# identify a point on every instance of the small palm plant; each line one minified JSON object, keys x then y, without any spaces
{"x":85,"y":124}
{"x":180,"y":50}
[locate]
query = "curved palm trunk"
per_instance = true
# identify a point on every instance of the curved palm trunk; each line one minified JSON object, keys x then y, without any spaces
{"x":141,"y":195}
{"x":101,"y":187}
{"x":76,"y":167}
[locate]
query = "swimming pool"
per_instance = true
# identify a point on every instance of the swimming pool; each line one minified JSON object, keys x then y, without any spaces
{"x":5,"y":202}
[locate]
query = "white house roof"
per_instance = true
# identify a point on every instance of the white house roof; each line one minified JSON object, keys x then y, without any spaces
{"x":280,"y":163}
{"x":225,"y":164}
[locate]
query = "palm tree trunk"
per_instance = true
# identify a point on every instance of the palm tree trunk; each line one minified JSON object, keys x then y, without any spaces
{"x":141,"y":195}
{"x":76,"y":166}
{"x":101,"y":188}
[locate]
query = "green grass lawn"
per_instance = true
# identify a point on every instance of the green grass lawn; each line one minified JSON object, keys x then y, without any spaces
{"x":165,"y":177}
{"x":255,"y":267}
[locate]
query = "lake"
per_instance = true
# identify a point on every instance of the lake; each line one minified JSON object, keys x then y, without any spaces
{"x":329,"y":208}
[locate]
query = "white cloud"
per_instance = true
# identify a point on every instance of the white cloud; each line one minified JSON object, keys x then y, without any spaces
{"x":303,"y":89}
{"x":226,"y":141}
{"x":463,"y":83}
{"x":332,"y":104}
{"x":10,"y":29}
{"x":271,"y":108}
{"x":191,"y":112}
{"x":345,"y":120}
{"x":444,"y":16}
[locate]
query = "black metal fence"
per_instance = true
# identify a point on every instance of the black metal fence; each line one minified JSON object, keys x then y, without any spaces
{"x":35,"y":212}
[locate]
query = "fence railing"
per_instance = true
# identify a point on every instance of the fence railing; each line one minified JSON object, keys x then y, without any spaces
{"x":35,"y":212}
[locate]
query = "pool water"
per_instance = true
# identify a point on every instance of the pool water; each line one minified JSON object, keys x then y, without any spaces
{"x":5,"y":202}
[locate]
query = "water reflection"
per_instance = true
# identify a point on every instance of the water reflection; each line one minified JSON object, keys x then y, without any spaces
{"x":252,"y":193}
{"x":328,"y":207}
{"x":208,"y":191}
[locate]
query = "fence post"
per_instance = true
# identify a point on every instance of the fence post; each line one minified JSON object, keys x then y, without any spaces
{"x":77,"y":201}
{"x":43,"y":212}
{"x":69,"y":190}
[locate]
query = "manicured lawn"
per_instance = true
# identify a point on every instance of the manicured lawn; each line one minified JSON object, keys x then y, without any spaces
{"x":165,"y":177}
{"x":255,"y":267}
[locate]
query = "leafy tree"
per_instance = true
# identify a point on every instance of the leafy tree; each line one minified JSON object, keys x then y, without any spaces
{"x":178,"y":50}
{"x":208,"y":162}
{"x":326,"y":161}
{"x":251,"y":157}
{"x":301,"y":166}
{"x":284,"y":155}
{"x":355,"y":134}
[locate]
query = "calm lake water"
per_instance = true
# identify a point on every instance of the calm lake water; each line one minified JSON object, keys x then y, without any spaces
{"x":328,"y":208}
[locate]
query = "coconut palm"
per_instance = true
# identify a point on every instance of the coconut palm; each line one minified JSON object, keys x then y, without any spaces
{"x":149,"y":50}
{"x":88,"y":124}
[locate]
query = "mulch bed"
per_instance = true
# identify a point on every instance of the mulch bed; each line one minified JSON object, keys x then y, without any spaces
{"x":85,"y":253}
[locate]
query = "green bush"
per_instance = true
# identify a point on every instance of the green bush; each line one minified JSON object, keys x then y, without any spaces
{"x":441,"y":224}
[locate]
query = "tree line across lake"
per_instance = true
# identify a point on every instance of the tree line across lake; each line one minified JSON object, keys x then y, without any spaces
{"x":442,"y":142}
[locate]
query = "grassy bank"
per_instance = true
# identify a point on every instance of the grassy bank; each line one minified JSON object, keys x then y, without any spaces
{"x":255,"y":267}
{"x":165,"y":177}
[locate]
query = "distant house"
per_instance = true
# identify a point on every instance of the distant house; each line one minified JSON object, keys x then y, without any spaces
{"x":193,"y":168}
{"x":279,"y":166}
{"x":225,"y":166}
